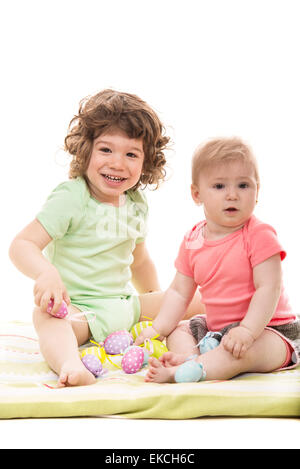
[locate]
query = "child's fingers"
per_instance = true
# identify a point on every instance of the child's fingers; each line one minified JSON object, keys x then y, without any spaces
{"x":236,"y":350}
{"x":45,"y":298}
{"x":240,"y":348}
{"x":66,"y":298}
{"x":37,"y":299}
{"x":147,"y":333}
{"x":140,"y":339}
{"x":57,"y":301}
{"x":56,"y":304}
{"x":244,"y":349}
{"x":163,"y":360}
{"x":165,"y":357}
{"x":231,"y":347}
{"x":227,"y":343}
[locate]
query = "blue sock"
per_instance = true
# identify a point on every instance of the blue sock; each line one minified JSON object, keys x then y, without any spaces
{"x":189,"y":372}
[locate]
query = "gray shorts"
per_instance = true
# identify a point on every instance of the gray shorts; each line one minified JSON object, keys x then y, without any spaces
{"x":289,"y":332}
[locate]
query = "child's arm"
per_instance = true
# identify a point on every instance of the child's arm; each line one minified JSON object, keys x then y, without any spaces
{"x":26,"y":253}
{"x":267,"y":282}
{"x":144,"y":275}
{"x":175,"y":302}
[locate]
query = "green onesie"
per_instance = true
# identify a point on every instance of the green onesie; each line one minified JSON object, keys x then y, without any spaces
{"x":92,"y":245}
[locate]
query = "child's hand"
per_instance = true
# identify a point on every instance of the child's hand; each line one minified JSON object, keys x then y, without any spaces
{"x":238,"y":341}
{"x":49,"y":285}
{"x":147,"y":333}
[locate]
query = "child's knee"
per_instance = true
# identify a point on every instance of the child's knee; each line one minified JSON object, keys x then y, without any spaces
{"x":181,"y":328}
{"x":184,"y":326}
{"x":269,"y":352}
{"x":181,"y":337}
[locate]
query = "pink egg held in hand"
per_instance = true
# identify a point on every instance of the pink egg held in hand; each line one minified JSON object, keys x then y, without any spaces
{"x":61,"y":313}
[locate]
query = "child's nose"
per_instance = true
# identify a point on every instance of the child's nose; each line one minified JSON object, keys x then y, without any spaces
{"x":116,"y":161}
{"x":231,"y":193}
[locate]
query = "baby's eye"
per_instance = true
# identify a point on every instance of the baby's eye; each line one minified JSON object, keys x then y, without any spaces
{"x":131,"y":155}
{"x":105,"y":149}
{"x":243,"y":185}
{"x":218,"y":186}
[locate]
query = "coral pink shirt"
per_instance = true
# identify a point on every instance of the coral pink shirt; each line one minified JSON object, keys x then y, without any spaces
{"x":223,"y":269}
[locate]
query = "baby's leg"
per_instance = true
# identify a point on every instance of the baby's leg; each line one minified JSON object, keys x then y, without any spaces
{"x":59,"y":340}
{"x":151,"y":303}
{"x":266,"y":354}
{"x":181,"y":340}
{"x":181,"y":345}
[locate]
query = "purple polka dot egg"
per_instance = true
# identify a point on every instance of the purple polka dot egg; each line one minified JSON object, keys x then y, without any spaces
{"x":93,"y":364}
{"x":133,"y":359}
{"x":117,"y":342}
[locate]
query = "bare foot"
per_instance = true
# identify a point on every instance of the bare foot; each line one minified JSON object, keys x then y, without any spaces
{"x":75,"y":374}
{"x":158,"y":373}
{"x":170,"y":359}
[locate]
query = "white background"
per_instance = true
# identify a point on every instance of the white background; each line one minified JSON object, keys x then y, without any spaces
{"x":209,"y":68}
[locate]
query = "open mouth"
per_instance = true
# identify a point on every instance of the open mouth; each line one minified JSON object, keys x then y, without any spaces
{"x":113,"y":178}
{"x":231,"y":209}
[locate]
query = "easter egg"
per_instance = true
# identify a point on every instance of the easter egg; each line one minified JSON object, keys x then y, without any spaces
{"x":117,"y":342}
{"x":93,"y":364}
{"x":210,"y":341}
{"x":138,"y":327}
{"x":99,"y":352}
{"x":146,"y":356}
{"x":156,"y":348}
{"x":133,"y":360}
{"x":61,"y":313}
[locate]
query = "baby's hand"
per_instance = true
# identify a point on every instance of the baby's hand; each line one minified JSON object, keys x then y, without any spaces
{"x":147,"y":333}
{"x":238,"y":341}
{"x":49,"y":285}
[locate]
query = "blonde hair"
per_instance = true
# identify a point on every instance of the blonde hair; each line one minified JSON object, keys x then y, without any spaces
{"x":222,"y":150}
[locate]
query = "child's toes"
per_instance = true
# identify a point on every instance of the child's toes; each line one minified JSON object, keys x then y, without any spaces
{"x":151,"y":373}
{"x":148,"y":377}
{"x":62,"y":381}
{"x":153,"y":362}
{"x":74,"y":378}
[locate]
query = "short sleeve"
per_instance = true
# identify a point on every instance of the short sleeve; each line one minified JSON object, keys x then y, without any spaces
{"x":263,"y":243}
{"x":62,"y":209}
{"x":182,"y":262}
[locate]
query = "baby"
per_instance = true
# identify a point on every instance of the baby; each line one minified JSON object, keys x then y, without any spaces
{"x":235,"y":260}
{"x":86,"y":245}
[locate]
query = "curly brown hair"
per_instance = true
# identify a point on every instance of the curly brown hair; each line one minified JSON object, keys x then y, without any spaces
{"x":108,"y":110}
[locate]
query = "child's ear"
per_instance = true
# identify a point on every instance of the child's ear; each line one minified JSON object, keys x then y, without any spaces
{"x":257,"y":192}
{"x":196,"y":194}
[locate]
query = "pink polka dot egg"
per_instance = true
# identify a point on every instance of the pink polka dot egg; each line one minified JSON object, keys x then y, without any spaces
{"x":133,"y":359}
{"x":61,"y":313}
{"x":117,"y":342}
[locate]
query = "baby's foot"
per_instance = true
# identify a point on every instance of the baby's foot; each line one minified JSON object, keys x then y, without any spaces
{"x":158,"y":373}
{"x":75,"y":374}
{"x":170,"y":359}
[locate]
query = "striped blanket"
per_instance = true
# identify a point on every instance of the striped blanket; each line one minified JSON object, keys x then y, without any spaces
{"x":28,"y":389}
